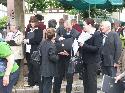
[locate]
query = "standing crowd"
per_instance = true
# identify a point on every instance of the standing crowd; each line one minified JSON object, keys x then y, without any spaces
{"x":96,"y":46}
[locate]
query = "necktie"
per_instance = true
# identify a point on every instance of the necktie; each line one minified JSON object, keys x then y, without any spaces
{"x":104,"y":37}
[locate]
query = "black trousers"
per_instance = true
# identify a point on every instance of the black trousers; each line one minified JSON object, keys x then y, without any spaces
{"x":34,"y":72}
{"x":45,"y":85}
{"x":109,"y":70}
{"x":62,"y":71}
{"x":90,"y":78}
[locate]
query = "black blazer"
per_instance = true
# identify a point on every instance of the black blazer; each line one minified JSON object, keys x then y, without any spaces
{"x":111,"y":50}
{"x":69,"y":38}
{"x":90,"y":49}
{"x":35,"y":40}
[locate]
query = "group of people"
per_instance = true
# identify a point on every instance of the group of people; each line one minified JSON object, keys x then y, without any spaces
{"x":55,"y":45}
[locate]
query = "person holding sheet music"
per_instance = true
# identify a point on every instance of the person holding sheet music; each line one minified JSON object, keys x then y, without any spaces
{"x":33,"y":37}
{"x":90,"y":56}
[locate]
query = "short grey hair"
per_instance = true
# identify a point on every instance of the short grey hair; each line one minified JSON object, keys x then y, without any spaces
{"x":14,"y":24}
{"x":107,"y":23}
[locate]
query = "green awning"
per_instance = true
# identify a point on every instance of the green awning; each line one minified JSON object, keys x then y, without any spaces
{"x":116,"y":2}
{"x":113,"y":2}
{"x":84,"y":4}
{"x":78,"y":4}
{"x":95,"y":1}
{"x":69,"y":0}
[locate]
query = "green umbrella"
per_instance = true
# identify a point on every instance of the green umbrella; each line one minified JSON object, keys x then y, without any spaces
{"x":86,"y":4}
{"x":113,"y":2}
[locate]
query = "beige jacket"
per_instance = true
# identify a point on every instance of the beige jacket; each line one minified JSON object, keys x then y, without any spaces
{"x":18,"y":49}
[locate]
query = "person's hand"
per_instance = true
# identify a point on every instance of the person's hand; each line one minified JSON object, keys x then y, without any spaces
{"x":117,"y":78}
{"x":81,"y":44}
{"x":5,"y":80}
{"x":116,"y":65}
{"x":61,"y":53}
{"x":64,"y":53}
{"x":25,"y":41}
{"x":61,"y":38}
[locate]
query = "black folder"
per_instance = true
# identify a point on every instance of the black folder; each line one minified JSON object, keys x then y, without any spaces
{"x":12,"y":43}
{"x":109,"y":85}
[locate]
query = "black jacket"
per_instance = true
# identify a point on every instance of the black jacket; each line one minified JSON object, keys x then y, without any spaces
{"x":68,"y":41}
{"x":90,"y":50}
{"x":34,"y":39}
{"x":111,"y":50}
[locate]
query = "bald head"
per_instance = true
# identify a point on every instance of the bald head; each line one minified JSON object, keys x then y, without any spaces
{"x":67,"y":24}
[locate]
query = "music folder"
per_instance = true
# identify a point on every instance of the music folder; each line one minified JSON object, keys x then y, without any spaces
{"x":12,"y":43}
{"x":109,"y":85}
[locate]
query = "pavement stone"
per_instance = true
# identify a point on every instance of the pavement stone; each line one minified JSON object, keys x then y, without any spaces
{"x":77,"y":86}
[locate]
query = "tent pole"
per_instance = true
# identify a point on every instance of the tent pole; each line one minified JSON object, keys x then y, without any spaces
{"x":89,"y":11}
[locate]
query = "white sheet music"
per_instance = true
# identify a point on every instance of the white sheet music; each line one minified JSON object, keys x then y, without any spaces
{"x":28,"y":48}
{"x":84,"y":37}
{"x":75,"y":46}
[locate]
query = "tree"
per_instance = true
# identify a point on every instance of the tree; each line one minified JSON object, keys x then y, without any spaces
{"x":4,"y":2}
{"x":19,"y":18}
{"x":3,"y":22}
{"x":42,"y":5}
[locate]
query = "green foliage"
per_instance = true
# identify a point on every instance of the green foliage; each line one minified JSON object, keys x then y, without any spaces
{"x":3,"y":22}
{"x":42,"y":5}
{"x":72,"y":11}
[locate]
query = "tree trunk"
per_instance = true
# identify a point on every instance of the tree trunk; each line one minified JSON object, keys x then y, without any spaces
{"x":19,"y":18}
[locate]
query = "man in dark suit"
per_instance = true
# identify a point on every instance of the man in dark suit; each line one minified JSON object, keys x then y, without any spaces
{"x":64,"y":40}
{"x":111,"y":49}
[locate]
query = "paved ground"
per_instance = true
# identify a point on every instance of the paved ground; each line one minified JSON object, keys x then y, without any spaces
{"x":77,"y":87}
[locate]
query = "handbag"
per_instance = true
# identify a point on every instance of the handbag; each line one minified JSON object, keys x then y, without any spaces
{"x":3,"y":65}
{"x":36,"y":55}
{"x":78,"y":64}
{"x":75,"y":64}
{"x":71,"y":66}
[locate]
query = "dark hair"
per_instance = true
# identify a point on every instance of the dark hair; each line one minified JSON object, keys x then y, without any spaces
{"x":52,"y":23}
{"x":50,"y":33}
{"x":39,"y":17}
{"x":89,"y":21}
